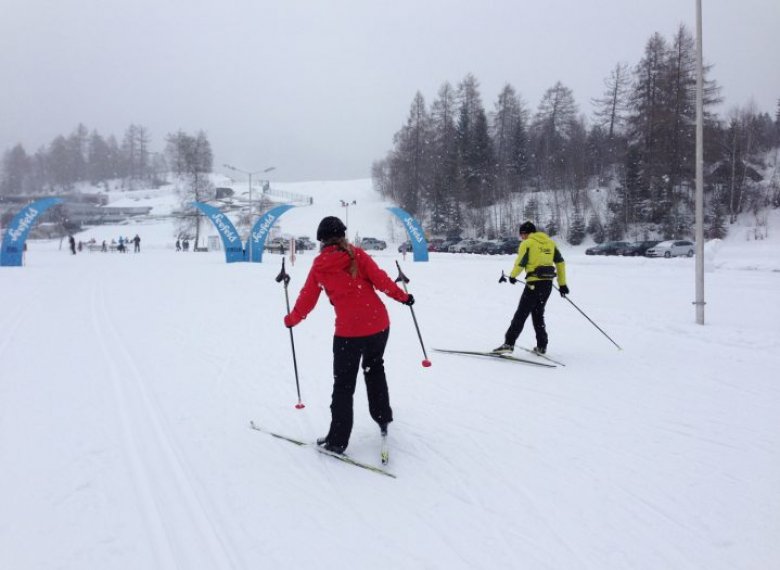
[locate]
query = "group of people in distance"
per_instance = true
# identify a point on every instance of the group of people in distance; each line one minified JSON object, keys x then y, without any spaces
{"x":120,"y":246}
{"x":350,"y":279}
{"x":182,"y":244}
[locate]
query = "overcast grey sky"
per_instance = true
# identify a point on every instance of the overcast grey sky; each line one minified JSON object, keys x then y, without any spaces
{"x":318,"y":88}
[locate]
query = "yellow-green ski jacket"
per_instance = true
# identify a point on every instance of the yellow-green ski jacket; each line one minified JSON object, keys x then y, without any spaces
{"x":538,"y":250}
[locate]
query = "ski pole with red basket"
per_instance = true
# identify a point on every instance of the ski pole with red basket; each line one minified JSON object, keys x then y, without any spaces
{"x":404,"y":280}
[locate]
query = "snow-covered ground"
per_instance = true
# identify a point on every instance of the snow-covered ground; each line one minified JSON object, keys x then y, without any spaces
{"x":128,"y":383}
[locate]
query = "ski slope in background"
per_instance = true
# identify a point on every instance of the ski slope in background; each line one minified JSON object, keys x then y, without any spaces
{"x":128,"y":383}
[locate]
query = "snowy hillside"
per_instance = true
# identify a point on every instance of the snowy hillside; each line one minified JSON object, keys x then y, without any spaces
{"x":129,"y":381}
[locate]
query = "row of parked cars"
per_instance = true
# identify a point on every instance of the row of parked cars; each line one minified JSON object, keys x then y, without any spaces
{"x":282,"y":245}
{"x":509,"y":245}
{"x":669,"y":248}
{"x":469,"y":245}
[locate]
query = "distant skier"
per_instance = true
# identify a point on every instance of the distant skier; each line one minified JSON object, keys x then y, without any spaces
{"x":136,"y":244}
{"x":178,"y":244}
{"x":539,"y":257}
{"x":72,"y":242}
{"x":349,"y":276}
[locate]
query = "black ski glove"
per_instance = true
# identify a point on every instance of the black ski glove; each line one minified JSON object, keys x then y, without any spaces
{"x":512,"y":280}
{"x":564,"y":290}
{"x":410,"y":301}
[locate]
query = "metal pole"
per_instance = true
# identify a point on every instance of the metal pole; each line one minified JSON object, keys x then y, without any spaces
{"x":250,"y":218}
{"x":251,"y":212}
{"x":699,"y":237}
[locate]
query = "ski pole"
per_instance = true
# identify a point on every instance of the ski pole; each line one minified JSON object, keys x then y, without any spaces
{"x":590,"y":320}
{"x":404,"y":280}
{"x":503,"y":279}
{"x":284,"y":277}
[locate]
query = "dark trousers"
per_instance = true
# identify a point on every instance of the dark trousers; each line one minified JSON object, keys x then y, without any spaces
{"x":532,"y":302}
{"x":347,"y":354}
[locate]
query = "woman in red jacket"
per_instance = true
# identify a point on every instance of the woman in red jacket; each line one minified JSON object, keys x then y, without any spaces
{"x":349,"y":277}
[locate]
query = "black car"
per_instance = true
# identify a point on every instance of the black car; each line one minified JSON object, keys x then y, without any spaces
{"x":607,"y":248}
{"x":303,"y":243}
{"x":637,"y":248}
{"x":486,"y":247}
{"x":509,"y":245}
{"x":447,"y":243}
{"x":597,"y":249}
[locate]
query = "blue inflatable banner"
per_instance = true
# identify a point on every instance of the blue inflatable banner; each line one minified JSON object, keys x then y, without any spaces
{"x":416,"y":234}
{"x":16,"y":233}
{"x":261,"y":229}
{"x":231,"y":241}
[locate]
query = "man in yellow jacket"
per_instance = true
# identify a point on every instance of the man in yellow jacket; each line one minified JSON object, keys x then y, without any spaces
{"x":539,"y":257}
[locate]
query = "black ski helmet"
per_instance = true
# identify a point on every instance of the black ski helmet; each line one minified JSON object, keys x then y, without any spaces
{"x":331,"y":227}
{"x":527,"y":228}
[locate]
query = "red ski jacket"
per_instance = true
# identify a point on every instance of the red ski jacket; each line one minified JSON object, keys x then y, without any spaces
{"x":359,"y":310}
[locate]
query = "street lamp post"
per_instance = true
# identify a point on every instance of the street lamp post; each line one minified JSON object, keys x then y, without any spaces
{"x":251,"y":214}
{"x":345,"y":204}
{"x":699,"y":232}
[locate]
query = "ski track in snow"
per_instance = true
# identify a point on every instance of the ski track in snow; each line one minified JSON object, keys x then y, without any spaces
{"x":167,"y":495}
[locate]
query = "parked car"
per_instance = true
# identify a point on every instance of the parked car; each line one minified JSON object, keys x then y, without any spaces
{"x":607,"y":248}
{"x":509,"y":245}
{"x":477,"y":246}
{"x":405,"y":247}
{"x":277,"y":245}
{"x":435,"y":244}
{"x":372,"y":243}
{"x":448,"y":243}
{"x":671,"y":248}
{"x":303,"y":243}
{"x":463,"y":246}
{"x":614,"y":247}
{"x":597,"y":249}
{"x":637,"y":248}
{"x":489,"y":247}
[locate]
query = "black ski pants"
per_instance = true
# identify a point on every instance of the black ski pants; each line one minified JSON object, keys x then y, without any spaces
{"x":532,"y":302}
{"x":347,"y":354}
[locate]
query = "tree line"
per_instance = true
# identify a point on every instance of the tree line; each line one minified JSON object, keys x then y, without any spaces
{"x":455,"y":165}
{"x":82,"y":156}
{"x":86,"y":156}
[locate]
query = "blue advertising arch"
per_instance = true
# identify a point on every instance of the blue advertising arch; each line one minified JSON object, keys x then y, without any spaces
{"x":16,"y":233}
{"x":261,"y":229}
{"x":416,"y":233}
{"x":230,"y":239}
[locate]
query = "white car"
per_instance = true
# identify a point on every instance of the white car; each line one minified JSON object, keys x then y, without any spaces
{"x":671,"y":248}
{"x":372,"y":243}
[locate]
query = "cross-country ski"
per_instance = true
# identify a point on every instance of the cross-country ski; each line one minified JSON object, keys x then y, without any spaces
{"x":506,"y":357}
{"x":540,"y":355}
{"x":340,"y":456}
